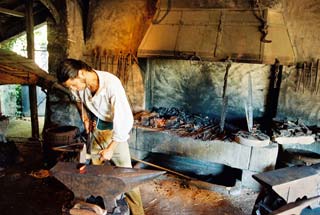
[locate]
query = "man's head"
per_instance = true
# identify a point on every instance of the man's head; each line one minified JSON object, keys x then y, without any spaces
{"x":71,"y":74}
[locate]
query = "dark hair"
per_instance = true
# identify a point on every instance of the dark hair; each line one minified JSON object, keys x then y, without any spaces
{"x":69,"y":68}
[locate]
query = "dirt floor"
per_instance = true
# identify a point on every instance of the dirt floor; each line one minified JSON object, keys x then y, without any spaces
{"x":21,"y":127}
{"x":168,"y":195}
{"x":23,"y":193}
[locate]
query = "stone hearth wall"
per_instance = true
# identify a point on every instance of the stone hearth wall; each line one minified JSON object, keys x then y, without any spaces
{"x":294,"y":104}
{"x":65,"y":40}
{"x":197,"y":86}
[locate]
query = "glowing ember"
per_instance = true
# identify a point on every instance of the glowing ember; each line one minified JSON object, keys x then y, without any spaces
{"x":82,"y":168}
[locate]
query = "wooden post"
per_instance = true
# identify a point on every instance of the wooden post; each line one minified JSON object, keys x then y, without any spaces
{"x":32,"y":88}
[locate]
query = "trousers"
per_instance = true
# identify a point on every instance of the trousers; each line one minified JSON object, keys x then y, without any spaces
{"x":121,"y":158}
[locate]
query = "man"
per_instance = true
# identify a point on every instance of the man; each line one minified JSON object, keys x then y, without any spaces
{"x":103,"y":95}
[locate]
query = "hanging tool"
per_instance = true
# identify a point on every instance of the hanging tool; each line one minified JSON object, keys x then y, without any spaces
{"x":316,"y":87}
{"x":98,"y":58}
{"x":248,"y":105}
{"x":93,"y":58}
{"x":128,"y":65}
{"x":299,"y":76}
{"x":304,"y":75}
{"x":310,"y":76}
{"x":105,"y":55}
{"x":224,"y":97}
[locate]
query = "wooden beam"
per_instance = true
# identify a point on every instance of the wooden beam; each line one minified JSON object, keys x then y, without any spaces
{"x":52,"y":9}
{"x":32,"y":88}
{"x":11,"y":12}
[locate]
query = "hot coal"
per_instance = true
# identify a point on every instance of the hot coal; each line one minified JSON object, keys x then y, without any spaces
{"x":195,"y":121}
{"x":182,"y":123}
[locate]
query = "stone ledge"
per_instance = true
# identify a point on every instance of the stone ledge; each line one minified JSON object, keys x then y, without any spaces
{"x":257,"y":159}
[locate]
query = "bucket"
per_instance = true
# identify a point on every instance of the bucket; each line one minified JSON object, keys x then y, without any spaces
{"x":62,"y":135}
{"x":59,"y":136}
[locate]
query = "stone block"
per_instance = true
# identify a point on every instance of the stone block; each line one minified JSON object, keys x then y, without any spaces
{"x":228,"y":153}
{"x":258,"y":159}
{"x":248,"y":181}
{"x":263,"y":158}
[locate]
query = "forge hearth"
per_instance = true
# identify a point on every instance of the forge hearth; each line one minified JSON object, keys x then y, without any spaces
{"x":251,"y":160}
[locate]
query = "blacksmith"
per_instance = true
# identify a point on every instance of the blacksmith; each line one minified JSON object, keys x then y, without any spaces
{"x":101,"y":94}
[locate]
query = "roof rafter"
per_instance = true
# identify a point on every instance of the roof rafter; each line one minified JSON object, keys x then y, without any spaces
{"x":11,"y":12}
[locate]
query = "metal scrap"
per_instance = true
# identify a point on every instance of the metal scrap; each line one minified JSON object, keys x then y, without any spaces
{"x":290,"y":129}
{"x":182,"y":123}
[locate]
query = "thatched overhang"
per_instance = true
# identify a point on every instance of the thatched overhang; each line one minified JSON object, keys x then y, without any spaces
{"x":15,"y":69}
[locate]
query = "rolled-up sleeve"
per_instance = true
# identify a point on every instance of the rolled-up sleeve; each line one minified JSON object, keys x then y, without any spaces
{"x":122,"y":114}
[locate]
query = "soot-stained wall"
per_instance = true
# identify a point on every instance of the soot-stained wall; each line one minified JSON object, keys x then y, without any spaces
{"x":116,"y":25}
{"x":197,"y":86}
{"x":298,"y":102}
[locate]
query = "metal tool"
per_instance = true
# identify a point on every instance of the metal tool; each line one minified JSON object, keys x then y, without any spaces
{"x":316,"y":82}
{"x":299,"y":76}
{"x":101,"y":180}
{"x":224,"y":105}
{"x":304,"y":66}
{"x":248,"y":105}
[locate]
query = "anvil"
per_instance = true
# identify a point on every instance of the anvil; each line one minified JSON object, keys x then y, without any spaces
{"x":101,"y":180}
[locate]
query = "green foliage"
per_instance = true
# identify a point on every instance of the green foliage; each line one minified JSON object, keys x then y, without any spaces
{"x":18,"y":44}
{"x":18,"y":95}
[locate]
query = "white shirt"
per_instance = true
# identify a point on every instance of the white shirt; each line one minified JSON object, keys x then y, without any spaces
{"x":110,"y":104}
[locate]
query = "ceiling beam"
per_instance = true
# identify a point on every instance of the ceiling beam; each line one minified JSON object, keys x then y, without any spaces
{"x":11,"y":12}
{"x":52,"y":9}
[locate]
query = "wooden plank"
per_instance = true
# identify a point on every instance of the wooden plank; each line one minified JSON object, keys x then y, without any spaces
{"x":15,"y":72}
{"x":54,"y":12}
{"x":18,"y":64}
{"x":11,"y":12}
{"x":32,"y":88}
{"x":7,"y":78}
